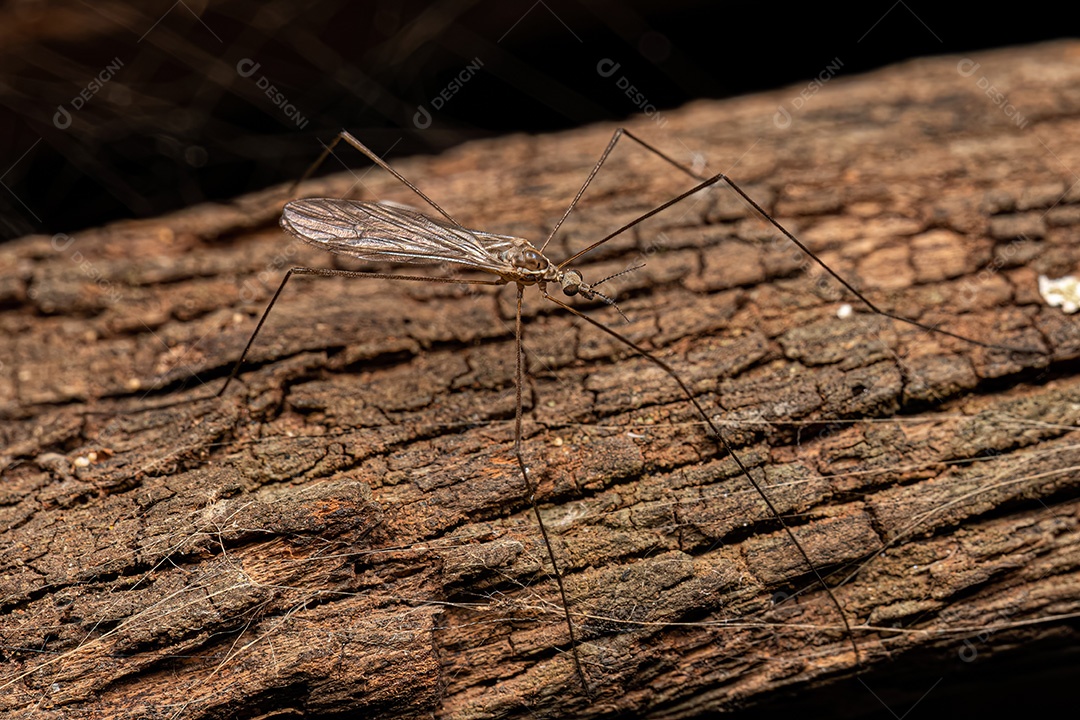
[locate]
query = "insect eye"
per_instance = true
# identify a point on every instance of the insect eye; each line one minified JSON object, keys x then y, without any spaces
{"x":571,"y":282}
{"x":530,"y":260}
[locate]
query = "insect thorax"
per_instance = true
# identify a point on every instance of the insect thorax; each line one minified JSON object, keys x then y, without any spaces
{"x":533,"y":267}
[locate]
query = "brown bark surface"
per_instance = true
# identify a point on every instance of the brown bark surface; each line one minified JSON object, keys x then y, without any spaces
{"x":347,"y":529}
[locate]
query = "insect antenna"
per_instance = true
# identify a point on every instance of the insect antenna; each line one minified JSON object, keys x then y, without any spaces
{"x":610,"y":300}
{"x":621,"y":272}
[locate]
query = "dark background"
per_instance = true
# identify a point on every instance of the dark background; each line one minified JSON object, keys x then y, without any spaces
{"x":177,"y":123}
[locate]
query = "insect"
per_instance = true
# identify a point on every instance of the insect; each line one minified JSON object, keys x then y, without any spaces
{"x":392,"y":233}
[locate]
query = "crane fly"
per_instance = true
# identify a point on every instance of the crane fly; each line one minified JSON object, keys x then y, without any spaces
{"x":392,"y":233}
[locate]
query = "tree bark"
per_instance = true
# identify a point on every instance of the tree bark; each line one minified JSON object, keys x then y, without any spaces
{"x":347,"y":530}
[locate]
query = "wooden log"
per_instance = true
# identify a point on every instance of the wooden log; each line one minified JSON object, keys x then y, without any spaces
{"x":347,"y":531}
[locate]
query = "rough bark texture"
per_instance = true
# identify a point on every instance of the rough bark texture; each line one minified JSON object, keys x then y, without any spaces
{"x":347,"y":530}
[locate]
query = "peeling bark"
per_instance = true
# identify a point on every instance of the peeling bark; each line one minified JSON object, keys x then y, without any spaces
{"x":348,"y":532}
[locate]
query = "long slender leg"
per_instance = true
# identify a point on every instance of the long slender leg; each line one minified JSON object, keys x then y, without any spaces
{"x":798,"y":243}
{"x":642,"y":218}
{"x":619,"y":132}
{"x":530,"y":487}
{"x":370,"y":154}
{"x":329,"y":272}
{"x":726,"y":447}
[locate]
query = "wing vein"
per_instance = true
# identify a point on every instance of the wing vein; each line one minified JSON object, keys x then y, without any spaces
{"x":372,"y":231}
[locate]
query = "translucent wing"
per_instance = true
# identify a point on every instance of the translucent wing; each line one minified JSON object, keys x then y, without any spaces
{"x":371,"y":231}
